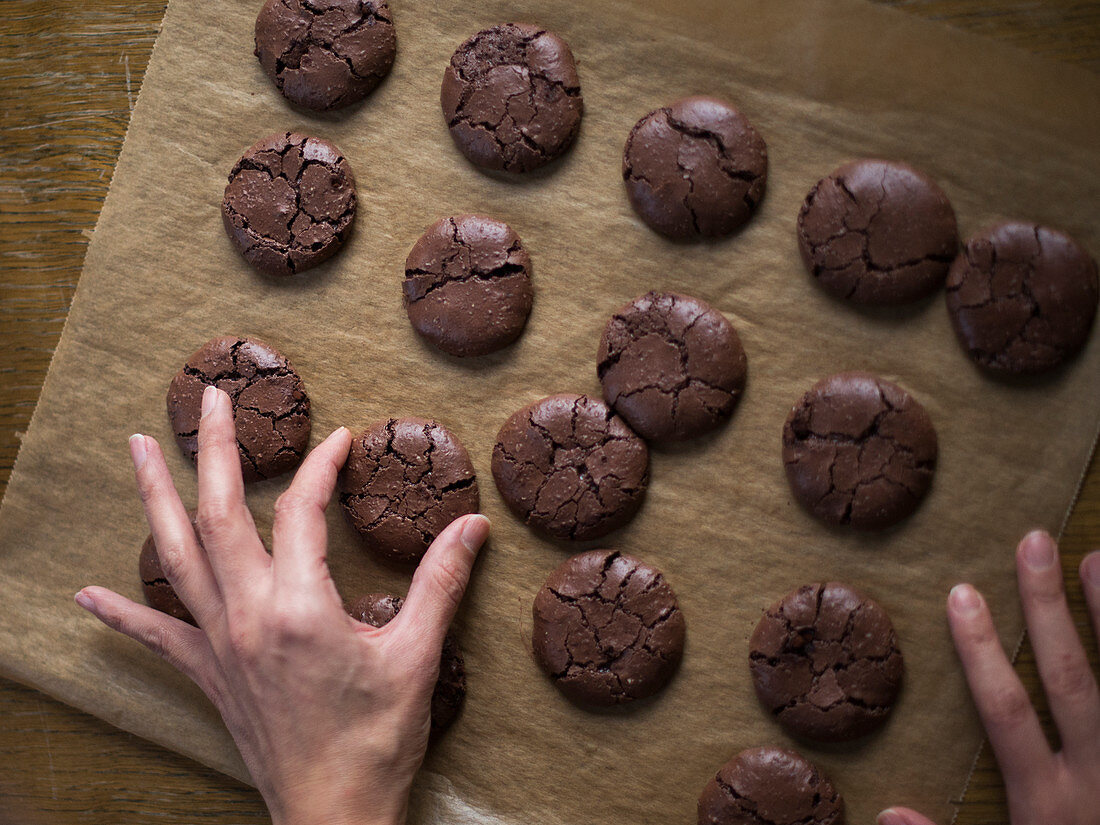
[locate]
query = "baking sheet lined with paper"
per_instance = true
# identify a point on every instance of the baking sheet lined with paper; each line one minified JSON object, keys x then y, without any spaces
{"x":1005,"y":134}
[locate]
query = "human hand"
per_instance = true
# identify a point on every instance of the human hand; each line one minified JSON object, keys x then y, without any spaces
{"x":330,"y":715}
{"x":1043,"y":787}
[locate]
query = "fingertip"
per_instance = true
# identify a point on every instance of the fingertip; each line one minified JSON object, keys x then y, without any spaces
{"x":85,"y":600}
{"x":1037,"y":550}
{"x":964,"y":601}
{"x":475,"y":529}
{"x":1090,"y":569}
{"x":901,"y":816}
{"x":138,"y":450}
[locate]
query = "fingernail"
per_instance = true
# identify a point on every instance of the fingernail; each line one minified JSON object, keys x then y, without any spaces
{"x":209,"y":399}
{"x":474,"y":532}
{"x":336,"y":432}
{"x":1090,"y":569}
{"x":964,"y":599}
{"x":138,"y":450}
{"x":890,"y":817}
{"x":1037,"y":548}
{"x":84,"y":600}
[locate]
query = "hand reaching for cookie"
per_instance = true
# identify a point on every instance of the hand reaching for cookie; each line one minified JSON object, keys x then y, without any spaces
{"x":1043,"y":787}
{"x":330,"y":715}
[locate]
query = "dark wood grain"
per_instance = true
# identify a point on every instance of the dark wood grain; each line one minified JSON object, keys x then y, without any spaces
{"x":70,"y":71}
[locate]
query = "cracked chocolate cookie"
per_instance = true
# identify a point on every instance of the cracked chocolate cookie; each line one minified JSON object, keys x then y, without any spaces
{"x":377,"y":610}
{"x":270,"y":405}
{"x":825,"y":662}
{"x":671,"y":365}
{"x":468,"y":285}
{"x":290,"y":203}
{"x":512,"y":98}
{"x":325,"y":54}
{"x":1022,"y":297}
{"x":770,"y":786}
{"x":406,"y":479}
{"x":859,"y":450}
{"x":608,"y":629}
{"x":878,"y":232}
{"x":159,"y":593}
{"x":567,"y":465}
{"x":695,"y":169}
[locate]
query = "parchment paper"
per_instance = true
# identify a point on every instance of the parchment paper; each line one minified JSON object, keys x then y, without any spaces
{"x":1006,"y":135}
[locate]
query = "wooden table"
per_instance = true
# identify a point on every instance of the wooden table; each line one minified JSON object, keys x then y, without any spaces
{"x":70,"y":71}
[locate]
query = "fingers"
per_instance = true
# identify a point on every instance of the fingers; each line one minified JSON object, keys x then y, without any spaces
{"x":901,"y":816}
{"x":178,"y":549}
{"x":1003,"y":705}
{"x":1063,"y":666}
{"x":228,"y":535}
{"x":440,"y":582}
{"x":181,"y":645}
{"x":300,"y":533}
{"x":1090,"y":582}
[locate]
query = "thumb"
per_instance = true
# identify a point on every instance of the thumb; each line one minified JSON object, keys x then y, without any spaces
{"x":902,"y":816}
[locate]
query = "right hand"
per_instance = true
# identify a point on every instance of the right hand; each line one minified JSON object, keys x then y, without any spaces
{"x":1043,"y":787}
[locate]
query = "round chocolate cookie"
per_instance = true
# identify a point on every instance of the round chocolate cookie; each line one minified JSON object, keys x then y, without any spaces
{"x":512,"y":98}
{"x":406,"y":479}
{"x":671,"y":365}
{"x":290,"y":203}
{"x":878,"y":232}
{"x":859,"y":450}
{"x":695,"y":169}
{"x":1022,"y":297}
{"x":270,"y":405}
{"x":770,"y":785}
{"x":825,"y":662}
{"x":468,"y":285}
{"x":377,"y":609}
{"x":159,"y":593}
{"x":325,"y":54}
{"x":608,"y":629}
{"x":569,"y":466}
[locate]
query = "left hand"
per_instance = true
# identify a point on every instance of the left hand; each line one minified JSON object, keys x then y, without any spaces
{"x":330,"y":715}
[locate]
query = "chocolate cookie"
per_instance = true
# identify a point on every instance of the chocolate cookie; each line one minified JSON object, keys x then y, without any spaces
{"x":1022,"y":297}
{"x":569,"y":466}
{"x":878,"y":232}
{"x":512,"y":98}
{"x":406,"y":479}
{"x":290,"y":203}
{"x":608,"y":629}
{"x":825,"y":662}
{"x":671,"y":365}
{"x":159,"y":593}
{"x":270,"y":405}
{"x":468,"y":285}
{"x":859,"y":450}
{"x":377,"y":609}
{"x":695,"y":169}
{"x":770,"y":786}
{"x":325,"y":54}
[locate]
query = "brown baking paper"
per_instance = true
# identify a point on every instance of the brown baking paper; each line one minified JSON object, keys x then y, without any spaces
{"x":1004,"y":133}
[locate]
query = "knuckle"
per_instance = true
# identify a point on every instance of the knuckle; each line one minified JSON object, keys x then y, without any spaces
{"x":211,"y":436}
{"x":214,"y":517}
{"x":291,"y":503}
{"x":294,"y":620}
{"x":158,"y":639}
{"x":1070,"y":677}
{"x":450,"y":581}
{"x":1046,"y":594}
{"x":1007,"y":707}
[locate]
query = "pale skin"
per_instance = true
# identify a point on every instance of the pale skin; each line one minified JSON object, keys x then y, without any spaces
{"x":332,"y":716}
